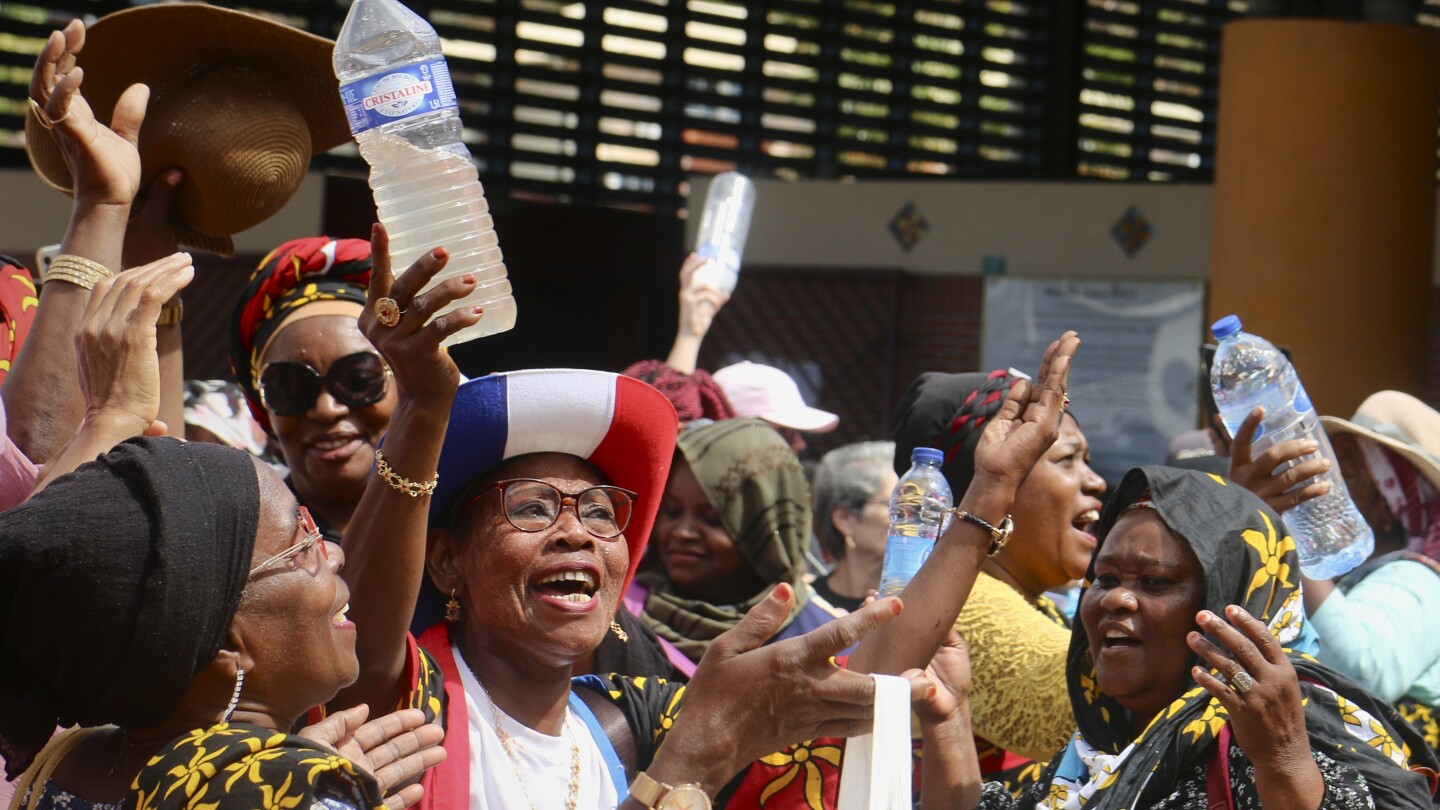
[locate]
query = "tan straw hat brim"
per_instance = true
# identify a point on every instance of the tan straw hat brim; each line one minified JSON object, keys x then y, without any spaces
{"x":166,"y":44}
{"x":1427,"y":464}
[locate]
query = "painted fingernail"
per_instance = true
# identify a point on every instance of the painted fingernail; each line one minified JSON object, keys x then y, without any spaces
{"x":478,"y":310}
{"x":438,"y":254}
{"x":896,"y":606}
{"x":930,"y":693}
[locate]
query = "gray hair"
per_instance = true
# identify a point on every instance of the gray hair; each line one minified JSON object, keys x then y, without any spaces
{"x":847,"y":477}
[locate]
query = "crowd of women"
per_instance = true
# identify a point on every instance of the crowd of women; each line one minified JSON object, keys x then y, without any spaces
{"x":547,"y":588}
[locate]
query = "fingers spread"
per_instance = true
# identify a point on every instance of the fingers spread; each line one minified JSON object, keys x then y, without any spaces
{"x":1218,"y":690}
{"x":418,"y":275}
{"x":1259,"y":635}
{"x":444,"y":294}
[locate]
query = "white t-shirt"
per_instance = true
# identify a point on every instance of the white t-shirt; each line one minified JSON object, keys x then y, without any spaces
{"x":542,"y":760}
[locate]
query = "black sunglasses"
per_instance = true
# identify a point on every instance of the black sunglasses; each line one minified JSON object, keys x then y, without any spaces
{"x":358,"y":380}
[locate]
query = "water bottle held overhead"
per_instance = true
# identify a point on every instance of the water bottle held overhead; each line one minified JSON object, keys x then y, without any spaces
{"x":402,"y":109}
{"x":1330,"y":534}
{"x":918,"y":516}
{"x":724,"y":227}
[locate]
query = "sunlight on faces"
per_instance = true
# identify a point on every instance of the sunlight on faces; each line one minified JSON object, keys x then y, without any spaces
{"x":1148,"y":587}
{"x":509,"y":580}
{"x":287,"y":614}
{"x":1052,"y":506}
{"x":330,"y":449}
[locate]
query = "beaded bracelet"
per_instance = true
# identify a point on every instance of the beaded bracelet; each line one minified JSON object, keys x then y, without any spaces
{"x":77,"y":270}
{"x":412,"y":488}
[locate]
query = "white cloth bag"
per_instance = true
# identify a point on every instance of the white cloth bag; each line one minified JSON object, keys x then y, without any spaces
{"x":876,"y":770}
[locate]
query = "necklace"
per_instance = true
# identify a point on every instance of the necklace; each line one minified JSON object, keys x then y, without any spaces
{"x":573,"y":800}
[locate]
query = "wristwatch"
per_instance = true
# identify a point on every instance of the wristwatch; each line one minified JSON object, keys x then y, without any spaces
{"x":657,"y":795}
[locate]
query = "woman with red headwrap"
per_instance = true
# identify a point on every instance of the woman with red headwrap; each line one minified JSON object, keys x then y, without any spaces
{"x":311,"y":378}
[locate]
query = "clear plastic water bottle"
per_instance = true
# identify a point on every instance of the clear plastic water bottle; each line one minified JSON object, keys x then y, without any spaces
{"x":724,"y":227}
{"x":917,"y":519}
{"x":402,"y":108}
{"x":1330,"y":534}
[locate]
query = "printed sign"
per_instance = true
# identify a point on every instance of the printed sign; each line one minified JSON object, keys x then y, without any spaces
{"x":1135,"y":383}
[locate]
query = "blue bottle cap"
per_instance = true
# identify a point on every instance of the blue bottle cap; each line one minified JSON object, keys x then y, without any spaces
{"x":1226,"y":326}
{"x":927,"y":454}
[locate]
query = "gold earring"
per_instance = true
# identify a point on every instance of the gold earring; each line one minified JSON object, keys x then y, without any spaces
{"x":849,"y":541}
{"x":619,"y":632}
{"x":452,"y":608}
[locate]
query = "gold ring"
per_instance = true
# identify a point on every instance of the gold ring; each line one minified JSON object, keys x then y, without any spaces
{"x":388,"y":311}
{"x":1242,"y":682}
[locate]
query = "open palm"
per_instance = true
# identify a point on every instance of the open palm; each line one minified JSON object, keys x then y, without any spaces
{"x":1029,"y":420}
{"x":104,"y":161}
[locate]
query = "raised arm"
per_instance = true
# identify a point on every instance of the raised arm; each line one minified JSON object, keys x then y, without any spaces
{"x":44,"y":404}
{"x":385,"y":541}
{"x":119,"y":365}
{"x":1015,"y":439}
{"x":698,"y":308}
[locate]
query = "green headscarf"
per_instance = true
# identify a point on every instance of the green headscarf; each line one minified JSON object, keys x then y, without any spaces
{"x":757,"y":487}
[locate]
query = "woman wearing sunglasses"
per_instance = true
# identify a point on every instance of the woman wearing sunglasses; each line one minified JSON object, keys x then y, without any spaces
{"x":310,"y":377}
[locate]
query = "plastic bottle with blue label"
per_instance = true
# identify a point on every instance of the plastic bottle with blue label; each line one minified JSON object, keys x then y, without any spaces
{"x":402,"y":109}
{"x":1330,"y":534}
{"x":918,"y":516}
{"x":724,"y":227}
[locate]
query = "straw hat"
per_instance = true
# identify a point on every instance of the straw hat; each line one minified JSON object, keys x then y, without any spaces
{"x":1400,"y":422}
{"x":238,"y":102}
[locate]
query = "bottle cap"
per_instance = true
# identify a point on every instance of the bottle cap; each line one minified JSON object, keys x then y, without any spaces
{"x":929,"y":454}
{"x":1226,"y":326}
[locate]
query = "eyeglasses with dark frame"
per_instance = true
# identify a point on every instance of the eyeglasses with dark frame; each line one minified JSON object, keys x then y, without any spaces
{"x":312,"y":536}
{"x":532,"y":505}
{"x":358,"y":380}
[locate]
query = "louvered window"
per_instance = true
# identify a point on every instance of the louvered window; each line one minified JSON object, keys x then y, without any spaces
{"x":616,"y":102}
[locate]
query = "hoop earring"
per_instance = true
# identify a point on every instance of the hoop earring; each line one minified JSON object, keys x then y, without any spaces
{"x":619,"y":632}
{"x":235,"y":696}
{"x":452,"y":608}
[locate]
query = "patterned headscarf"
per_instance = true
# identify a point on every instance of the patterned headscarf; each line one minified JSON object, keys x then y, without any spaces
{"x":757,"y":487}
{"x":1247,"y":560}
{"x":332,"y":275}
{"x":1410,"y":495}
{"x":948,"y":412}
{"x":118,"y":583}
{"x":695,"y":396}
{"x":18,"y":304}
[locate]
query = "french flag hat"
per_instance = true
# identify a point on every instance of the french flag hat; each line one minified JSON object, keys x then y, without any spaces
{"x":621,"y":425}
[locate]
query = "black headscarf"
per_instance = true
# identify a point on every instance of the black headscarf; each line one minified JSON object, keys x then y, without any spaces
{"x":948,"y":412}
{"x":1247,"y":559}
{"x":117,"y":585}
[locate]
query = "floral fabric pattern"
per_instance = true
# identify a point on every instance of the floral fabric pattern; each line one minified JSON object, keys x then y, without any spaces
{"x":240,"y":765}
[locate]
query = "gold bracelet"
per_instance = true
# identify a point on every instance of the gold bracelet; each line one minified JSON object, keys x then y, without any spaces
{"x":172,"y":313}
{"x":412,"y":488}
{"x":77,"y":270}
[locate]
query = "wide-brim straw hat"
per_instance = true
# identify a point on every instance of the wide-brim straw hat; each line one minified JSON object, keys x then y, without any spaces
{"x":238,"y":102}
{"x":1399,"y":422}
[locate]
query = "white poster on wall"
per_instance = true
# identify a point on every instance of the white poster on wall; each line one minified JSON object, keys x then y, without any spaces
{"x":1134,"y":384}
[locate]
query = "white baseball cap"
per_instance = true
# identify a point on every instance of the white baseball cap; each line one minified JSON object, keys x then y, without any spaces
{"x":768,"y":393}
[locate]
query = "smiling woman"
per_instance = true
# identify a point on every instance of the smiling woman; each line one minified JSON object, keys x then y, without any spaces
{"x":311,"y":378}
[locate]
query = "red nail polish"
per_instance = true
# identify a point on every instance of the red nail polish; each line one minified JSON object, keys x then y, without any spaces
{"x":478,"y":310}
{"x":438,"y":253}
{"x":468,"y":279}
